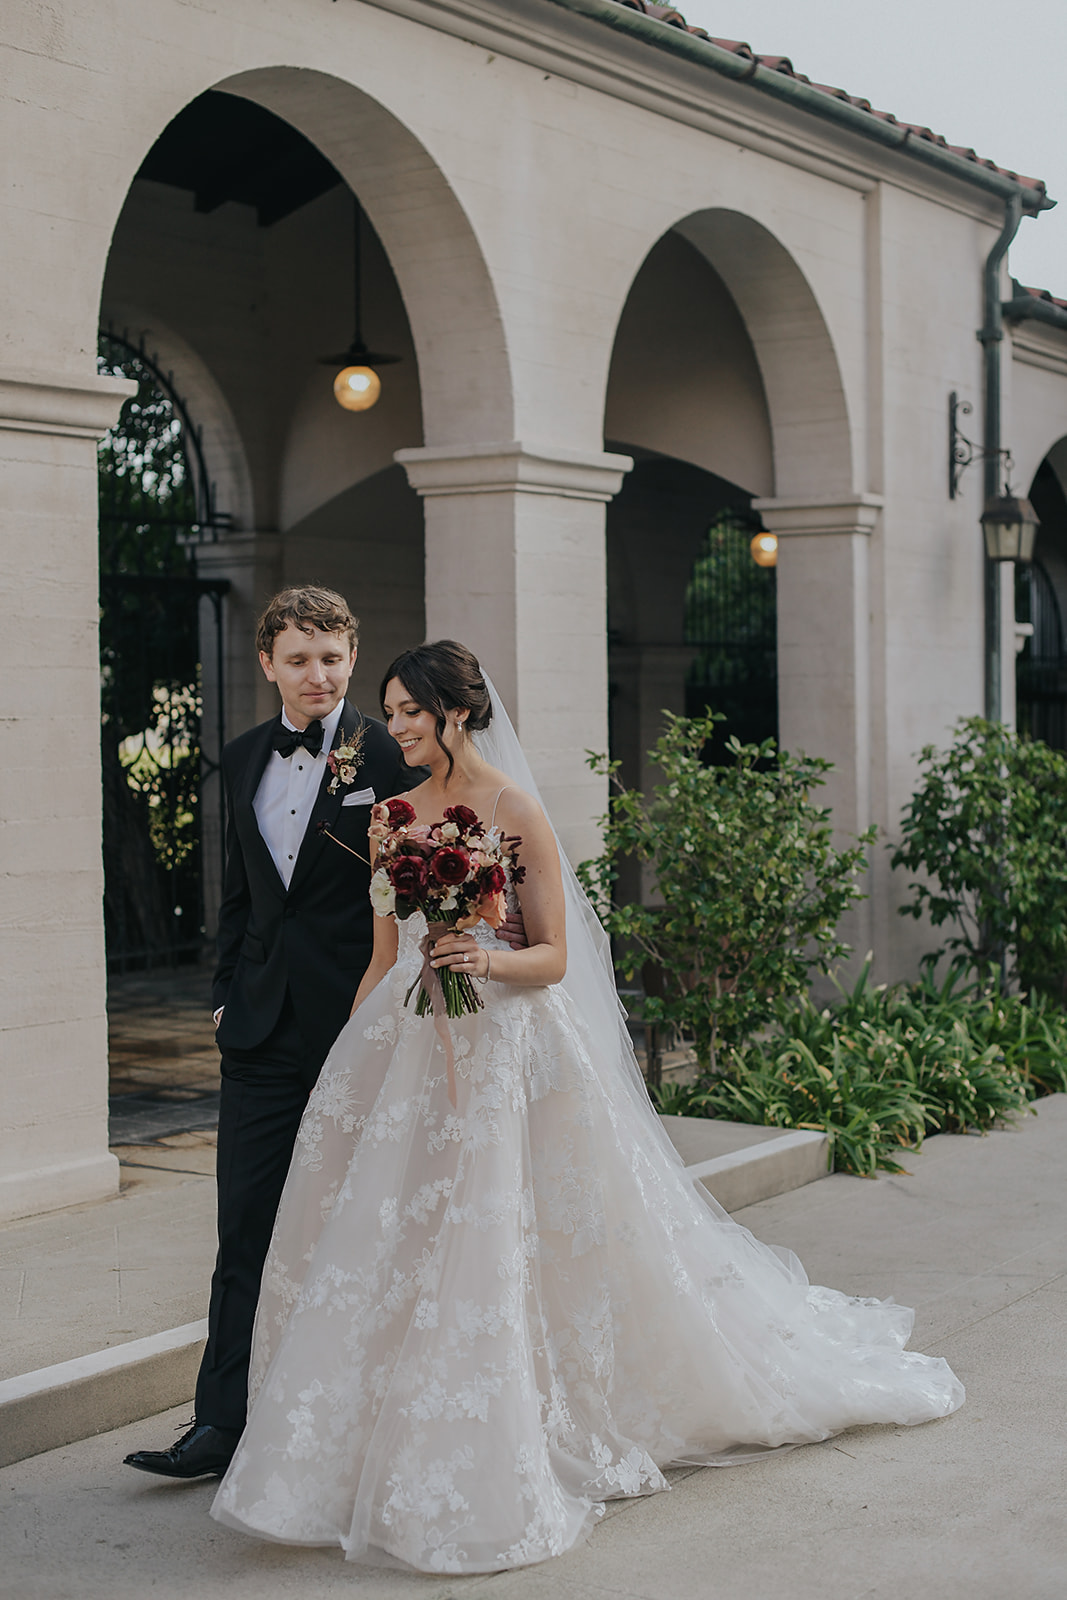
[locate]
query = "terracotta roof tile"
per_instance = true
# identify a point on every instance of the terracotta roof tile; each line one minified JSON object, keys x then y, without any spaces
{"x":1039,"y":294}
{"x":782,"y":64}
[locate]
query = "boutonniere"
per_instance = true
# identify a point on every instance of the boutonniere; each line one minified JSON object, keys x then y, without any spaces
{"x":346,"y":758}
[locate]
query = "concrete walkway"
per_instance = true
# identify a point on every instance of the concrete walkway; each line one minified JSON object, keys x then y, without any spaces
{"x":970,"y":1507}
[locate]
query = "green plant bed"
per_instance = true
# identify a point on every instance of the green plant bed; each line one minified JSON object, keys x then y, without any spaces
{"x":882,"y":1067}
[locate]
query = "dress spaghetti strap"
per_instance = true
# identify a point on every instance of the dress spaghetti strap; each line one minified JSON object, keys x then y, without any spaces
{"x":496,"y":802}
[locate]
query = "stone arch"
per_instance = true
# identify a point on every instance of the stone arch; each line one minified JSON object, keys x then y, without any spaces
{"x":450,"y":300}
{"x":224,"y":450}
{"x":449,"y":297}
{"x":798,"y":363}
{"x":684,"y":379}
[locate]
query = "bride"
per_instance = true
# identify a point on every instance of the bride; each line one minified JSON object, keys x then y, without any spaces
{"x":482,"y":1317}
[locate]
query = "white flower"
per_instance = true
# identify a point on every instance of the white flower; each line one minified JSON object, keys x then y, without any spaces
{"x":382,"y":894}
{"x":449,"y":830}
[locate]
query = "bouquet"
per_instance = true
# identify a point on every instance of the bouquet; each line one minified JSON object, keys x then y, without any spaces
{"x":455,"y":872}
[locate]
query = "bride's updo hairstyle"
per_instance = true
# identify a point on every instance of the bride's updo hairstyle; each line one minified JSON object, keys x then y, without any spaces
{"x":442,"y":677}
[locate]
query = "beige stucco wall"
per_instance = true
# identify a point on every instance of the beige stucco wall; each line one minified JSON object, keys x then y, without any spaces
{"x":518,"y":166}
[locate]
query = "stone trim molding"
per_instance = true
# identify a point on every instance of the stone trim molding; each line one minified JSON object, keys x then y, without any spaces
{"x":514,"y":468}
{"x":237,"y":547}
{"x":855,"y":513}
{"x":79,"y":408}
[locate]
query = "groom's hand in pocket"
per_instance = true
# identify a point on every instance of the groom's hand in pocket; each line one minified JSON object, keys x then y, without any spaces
{"x":513,"y":931}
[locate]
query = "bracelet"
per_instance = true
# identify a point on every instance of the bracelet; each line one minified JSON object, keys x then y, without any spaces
{"x":488,"y":970}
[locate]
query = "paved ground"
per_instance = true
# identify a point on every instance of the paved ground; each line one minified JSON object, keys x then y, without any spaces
{"x":160,"y":1033}
{"x":93,"y":1276}
{"x":970,"y":1507}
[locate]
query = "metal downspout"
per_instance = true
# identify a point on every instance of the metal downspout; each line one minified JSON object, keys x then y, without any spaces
{"x":991,"y":337}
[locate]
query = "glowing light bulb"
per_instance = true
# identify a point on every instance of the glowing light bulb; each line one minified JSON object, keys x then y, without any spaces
{"x":357,"y":388}
{"x":764,"y":548}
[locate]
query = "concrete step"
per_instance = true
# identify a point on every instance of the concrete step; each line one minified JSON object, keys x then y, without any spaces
{"x":740,"y":1164}
{"x":89,"y":1276}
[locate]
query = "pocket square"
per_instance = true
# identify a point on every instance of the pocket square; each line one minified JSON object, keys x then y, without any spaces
{"x":361,"y":797}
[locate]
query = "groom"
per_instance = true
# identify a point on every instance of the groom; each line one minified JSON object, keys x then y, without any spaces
{"x":295,"y":936}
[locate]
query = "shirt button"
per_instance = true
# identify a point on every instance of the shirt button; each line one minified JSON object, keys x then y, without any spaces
{"x":290,"y":858}
{"x":292,"y":813}
{"x":299,"y":769}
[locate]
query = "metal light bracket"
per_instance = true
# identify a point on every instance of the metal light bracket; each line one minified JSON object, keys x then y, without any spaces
{"x":962,"y":451}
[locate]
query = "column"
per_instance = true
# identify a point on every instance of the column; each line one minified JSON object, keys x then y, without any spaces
{"x":251,"y":563}
{"x":53,"y":981}
{"x":516,"y":569}
{"x":824,"y":667}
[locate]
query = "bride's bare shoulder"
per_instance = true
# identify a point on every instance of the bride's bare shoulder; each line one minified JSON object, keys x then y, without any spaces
{"x":516,"y":809}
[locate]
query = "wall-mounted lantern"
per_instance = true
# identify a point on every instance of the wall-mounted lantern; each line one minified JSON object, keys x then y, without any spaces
{"x":1008,"y":523}
{"x":1010,"y":526}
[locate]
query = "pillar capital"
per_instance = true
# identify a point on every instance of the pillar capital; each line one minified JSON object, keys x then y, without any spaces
{"x":514,"y":467}
{"x":788,"y":517}
{"x":80,"y":407}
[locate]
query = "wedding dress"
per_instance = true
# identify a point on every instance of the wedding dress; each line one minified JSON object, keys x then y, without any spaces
{"x":478,"y":1323}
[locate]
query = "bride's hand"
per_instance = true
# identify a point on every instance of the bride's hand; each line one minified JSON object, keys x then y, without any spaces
{"x":461,"y":952}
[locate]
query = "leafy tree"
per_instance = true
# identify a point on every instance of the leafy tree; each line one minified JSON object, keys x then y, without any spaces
{"x":747,"y":887}
{"x":987,"y":831}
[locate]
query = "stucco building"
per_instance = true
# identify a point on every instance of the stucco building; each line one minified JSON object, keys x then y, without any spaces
{"x":633,"y":277}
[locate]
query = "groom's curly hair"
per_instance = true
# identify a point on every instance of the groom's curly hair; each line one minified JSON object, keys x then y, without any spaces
{"x":307,"y":607}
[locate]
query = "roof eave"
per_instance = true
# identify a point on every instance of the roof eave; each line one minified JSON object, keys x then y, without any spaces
{"x":806,"y":97}
{"x":1027,"y":307}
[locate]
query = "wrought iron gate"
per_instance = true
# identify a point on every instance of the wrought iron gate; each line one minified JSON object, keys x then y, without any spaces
{"x":1041,"y":669}
{"x":156,"y":506}
{"x":731,"y":617}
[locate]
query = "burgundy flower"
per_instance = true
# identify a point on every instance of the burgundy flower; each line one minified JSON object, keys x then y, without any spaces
{"x":450,"y":864}
{"x":407,"y":874}
{"x":493,"y":880}
{"x":463,"y":817}
{"x":400,"y":812}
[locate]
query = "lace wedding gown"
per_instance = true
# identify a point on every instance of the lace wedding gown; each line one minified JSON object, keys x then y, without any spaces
{"x":478,"y":1323}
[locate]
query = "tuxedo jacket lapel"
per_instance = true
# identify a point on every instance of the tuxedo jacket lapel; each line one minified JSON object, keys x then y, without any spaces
{"x":255,"y":844}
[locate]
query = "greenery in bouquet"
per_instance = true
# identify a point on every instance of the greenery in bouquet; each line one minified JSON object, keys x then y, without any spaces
{"x":455,"y":872}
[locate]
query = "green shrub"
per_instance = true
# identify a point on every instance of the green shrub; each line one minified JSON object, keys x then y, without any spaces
{"x":749,"y":887}
{"x":881,"y":1067}
{"x":987,"y":831}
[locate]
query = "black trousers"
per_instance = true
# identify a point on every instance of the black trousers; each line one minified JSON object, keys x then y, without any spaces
{"x":264,"y":1092}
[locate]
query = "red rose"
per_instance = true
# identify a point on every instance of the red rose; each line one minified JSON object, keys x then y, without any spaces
{"x":463,"y":817}
{"x":400,"y":813}
{"x":450,"y":865}
{"x":493,"y":880}
{"x":407,"y":874}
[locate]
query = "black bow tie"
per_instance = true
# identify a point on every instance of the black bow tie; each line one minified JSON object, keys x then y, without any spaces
{"x":286,"y":740}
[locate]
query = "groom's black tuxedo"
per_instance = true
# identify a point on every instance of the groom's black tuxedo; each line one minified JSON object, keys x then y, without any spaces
{"x":316,"y":936}
{"x":289,"y":964}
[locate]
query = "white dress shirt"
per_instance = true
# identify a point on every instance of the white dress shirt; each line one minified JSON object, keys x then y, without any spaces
{"x":287,"y":793}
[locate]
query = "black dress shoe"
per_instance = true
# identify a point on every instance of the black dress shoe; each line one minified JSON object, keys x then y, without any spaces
{"x":203,"y":1452}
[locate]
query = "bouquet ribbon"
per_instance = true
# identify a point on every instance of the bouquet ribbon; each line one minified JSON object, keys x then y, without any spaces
{"x":431,"y":982}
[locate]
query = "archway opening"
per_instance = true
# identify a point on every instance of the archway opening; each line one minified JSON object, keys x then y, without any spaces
{"x":691,"y":618}
{"x":234,"y":472}
{"x":1041,"y":605}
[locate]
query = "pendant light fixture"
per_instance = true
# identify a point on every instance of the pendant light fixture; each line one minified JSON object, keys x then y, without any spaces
{"x":764,"y":549}
{"x":357,"y":384}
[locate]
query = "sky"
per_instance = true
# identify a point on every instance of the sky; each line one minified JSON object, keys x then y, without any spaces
{"x":984,"y":74}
